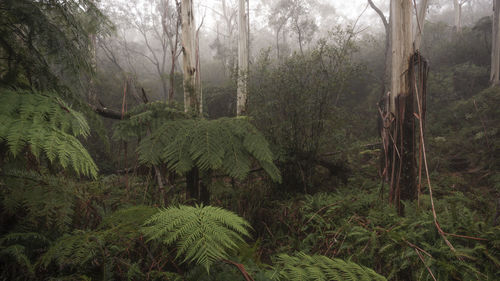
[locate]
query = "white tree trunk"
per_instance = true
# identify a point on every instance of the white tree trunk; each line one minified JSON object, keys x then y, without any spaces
{"x":495,"y":50}
{"x":242,"y":92}
{"x":401,"y":48}
{"x":419,"y":25}
{"x":191,"y":99}
{"x":458,"y":15}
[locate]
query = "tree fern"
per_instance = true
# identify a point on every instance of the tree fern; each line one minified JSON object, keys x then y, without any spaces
{"x":202,"y":234}
{"x":226,"y":144}
{"x":143,"y":119}
{"x":44,"y":123}
{"x":302,"y":267}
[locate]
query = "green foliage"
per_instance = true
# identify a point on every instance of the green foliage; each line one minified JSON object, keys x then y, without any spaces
{"x":74,"y":250}
{"x":302,"y":267}
{"x":44,"y":123}
{"x":41,"y":39}
{"x":354,"y":224}
{"x":225,"y":144}
{"x":203,"y":234}
{"x":296,"y":104}
{"x":144,"y":119}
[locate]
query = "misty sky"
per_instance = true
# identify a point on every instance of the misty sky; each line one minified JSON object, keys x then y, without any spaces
{"x":346,"y":11}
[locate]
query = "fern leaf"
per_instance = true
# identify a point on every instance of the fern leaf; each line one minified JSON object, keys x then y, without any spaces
{"x":302,"y":267}
{"x":202,"y":234}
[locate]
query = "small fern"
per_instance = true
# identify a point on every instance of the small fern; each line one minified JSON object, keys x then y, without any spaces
{"x":203,"y":234}
{"x":43,"y":122}
{"x":302,"y":267}
{"x":226,"y":144}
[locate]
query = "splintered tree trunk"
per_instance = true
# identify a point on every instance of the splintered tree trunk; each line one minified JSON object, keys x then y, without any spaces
{"x":403,"y":174}
{"x":495,"y":50}
{"x":191,"y":99}
{"x":242,"y":92}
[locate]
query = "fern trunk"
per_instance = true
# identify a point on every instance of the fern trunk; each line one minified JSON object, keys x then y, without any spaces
{"x":196,"y":189}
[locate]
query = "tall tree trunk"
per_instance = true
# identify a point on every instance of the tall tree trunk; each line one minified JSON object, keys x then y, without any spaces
{"x":401,"y":48}
{"x":191,"y":99}
{"x":173,"y":40}
{"x":403,"y":178}
{"x":243,"y":57}
{"x":458,"y":15}
{"x":92,"y":93}
{"x":418,"y":30}
{"x":495,"y":49}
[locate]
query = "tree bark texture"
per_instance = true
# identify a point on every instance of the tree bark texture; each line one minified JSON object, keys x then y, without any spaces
{"x":457,"y":5}
{"x":191,"y":98}
{"x":402,"y":146}
{"x":243,"y":58}
{"x":495,"y":49}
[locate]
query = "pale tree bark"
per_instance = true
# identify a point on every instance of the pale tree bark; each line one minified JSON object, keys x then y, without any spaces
{"x":401,"y":48}
{"x":418,"y":30}
{"x":92,"y":92}
{"x":198,"y":68}
{"x":457,"y":6}
{"x":401,"y":148}
{"x":191,"y":99}
{"x":243,"y":58}
{"x":495,"y":50}
{"x":458,"y":15}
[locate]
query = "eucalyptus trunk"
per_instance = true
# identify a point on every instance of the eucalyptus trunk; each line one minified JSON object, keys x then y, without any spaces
{"x":403,"y":174}
{"x":189,"y":65}
{"x":457,"y":5}
{"x":243,"y":58}
{"x":495,"y":50}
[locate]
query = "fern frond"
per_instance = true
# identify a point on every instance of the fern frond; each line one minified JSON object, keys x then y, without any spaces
{"x":77,"y":249}
{"x":303,"y":267}
{"x":44,"y":123}
{"x":230,"y":145}
{"x":17,"y":252}
{"x":202,"y":234}
{"x":145,"y":118}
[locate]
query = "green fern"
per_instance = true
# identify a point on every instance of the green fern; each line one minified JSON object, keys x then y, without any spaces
{"x":203,"y":234}
{"x":44,"y":123}
{"x":302,"y":267}
{"x":77,"y":249}
{"x":143,"y":119}
{"x":226,"y":144}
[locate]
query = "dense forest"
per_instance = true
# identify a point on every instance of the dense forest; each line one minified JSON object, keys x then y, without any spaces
{"x":249,"y":140}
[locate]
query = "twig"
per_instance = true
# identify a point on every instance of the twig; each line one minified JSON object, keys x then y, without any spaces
{"x":483,"y":123}
{"x":321,"y":209}
{"x":423,"y":261}
{"x":436,"y":223}
{"x":241,"y":268}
